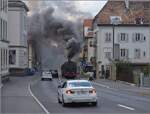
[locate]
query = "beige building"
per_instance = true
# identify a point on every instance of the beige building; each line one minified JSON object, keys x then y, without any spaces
{"x":17,"y":18}
{"x":89,"y":48}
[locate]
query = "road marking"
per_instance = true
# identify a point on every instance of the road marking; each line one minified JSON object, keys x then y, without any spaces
{"x":129,"y":108}
{"x":1,"y":85}
{"x":43,"y":107}
{"x":101,"y":85}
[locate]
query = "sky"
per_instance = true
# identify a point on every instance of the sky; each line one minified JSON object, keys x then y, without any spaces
{"x":91,"y":6}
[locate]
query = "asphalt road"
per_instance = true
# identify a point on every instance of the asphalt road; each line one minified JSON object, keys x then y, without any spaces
{"x":109,"y":100}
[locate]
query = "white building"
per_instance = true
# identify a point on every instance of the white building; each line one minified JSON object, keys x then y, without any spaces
{"x":17,"y":18}
{"x":4,"y":66}
{"x":131,"y":43}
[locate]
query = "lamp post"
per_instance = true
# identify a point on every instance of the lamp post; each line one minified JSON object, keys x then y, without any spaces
{"x":113,"y":27}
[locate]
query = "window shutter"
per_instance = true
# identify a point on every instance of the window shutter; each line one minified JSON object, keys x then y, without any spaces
{"x":106,"y":36}
{"x":127,"y":53}
{"x":119,"y":37}
{"x":133,"y":37}
{"x":110,"y":37}
{"x":142,"y":37}
{"x":127,"y":37}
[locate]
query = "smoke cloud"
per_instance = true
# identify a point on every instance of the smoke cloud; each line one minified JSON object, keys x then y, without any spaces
{"x":55,"y":27}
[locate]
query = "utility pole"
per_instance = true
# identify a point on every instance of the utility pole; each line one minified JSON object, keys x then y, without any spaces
{"x":113,"y":27}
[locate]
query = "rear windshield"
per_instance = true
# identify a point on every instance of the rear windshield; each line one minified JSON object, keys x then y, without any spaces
{"x":79,"y":84}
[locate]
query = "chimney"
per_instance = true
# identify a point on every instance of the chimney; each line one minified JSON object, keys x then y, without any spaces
{"x":127,"y":4}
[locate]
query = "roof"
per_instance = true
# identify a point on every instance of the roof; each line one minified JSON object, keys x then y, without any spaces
{"x":88,"y":23}
{"x":17,"y":3}
{"x":135,"y":9}
{"x":126,"y":25}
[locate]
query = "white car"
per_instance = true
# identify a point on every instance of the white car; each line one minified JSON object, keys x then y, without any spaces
{"x":77,"y":91}
{"x":46,"y":75}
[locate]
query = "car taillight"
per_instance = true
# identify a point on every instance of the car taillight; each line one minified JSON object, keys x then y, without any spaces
{"x":69,"y":92}
{"x":93,"y":91}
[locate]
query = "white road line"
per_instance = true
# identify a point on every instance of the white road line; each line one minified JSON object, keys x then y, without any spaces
{"x":1,"y":85}
{"x":129,"y":108}
{"x":43,"y":107}
{"x":101,"y":85}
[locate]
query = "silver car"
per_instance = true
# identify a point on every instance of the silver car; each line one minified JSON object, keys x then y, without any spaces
{"x":77,"y":91}
{"x":46,"y":75}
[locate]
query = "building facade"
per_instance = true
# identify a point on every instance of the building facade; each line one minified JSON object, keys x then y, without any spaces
{"x":4,"y":65}
{"x":89,"y":49}
{"x":122,"y":33}
{"x":17,"y":18}
{"x":132,"y":41}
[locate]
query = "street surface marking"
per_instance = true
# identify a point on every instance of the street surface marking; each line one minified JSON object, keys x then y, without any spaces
{"x":1,"y":85}
{"x":43,"y":107}
{"x":101,"y":85}
{"x":129,"y":108}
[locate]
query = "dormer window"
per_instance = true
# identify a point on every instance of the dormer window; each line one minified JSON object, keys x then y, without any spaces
{"x":115,"y":20}
{"x":139,"y":20}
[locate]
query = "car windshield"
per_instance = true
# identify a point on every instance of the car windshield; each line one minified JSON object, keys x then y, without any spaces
{"x":79,"y":84}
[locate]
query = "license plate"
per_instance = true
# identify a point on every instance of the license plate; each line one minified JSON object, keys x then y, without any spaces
{"x":81,"y":92}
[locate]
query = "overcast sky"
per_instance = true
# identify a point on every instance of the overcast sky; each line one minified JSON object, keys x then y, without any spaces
{"x":90,"y":6}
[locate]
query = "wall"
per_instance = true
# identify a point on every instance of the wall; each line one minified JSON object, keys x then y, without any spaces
{"x":3,"y":39}
{"x":130,"y":45}
{"x":18,"y":36}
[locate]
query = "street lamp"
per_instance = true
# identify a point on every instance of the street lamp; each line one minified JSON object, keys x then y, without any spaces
{"x":113,"y":26}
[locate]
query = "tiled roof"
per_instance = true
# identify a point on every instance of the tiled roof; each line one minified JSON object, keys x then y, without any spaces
{"x":88,"y":23}
{"x":136,"y":9}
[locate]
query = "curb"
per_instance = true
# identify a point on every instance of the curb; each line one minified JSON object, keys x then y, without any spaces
{"x":36,"y":99}
{"x":123,"y":82}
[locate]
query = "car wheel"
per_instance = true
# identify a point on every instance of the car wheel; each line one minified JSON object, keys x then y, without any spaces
{"x":42,"y":79}
{"x":94,"y":103}
{"x":63,"y":102}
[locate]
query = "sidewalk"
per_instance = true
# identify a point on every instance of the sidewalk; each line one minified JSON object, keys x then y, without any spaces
{"x":16,"y":97}
{"x":124,"y":86}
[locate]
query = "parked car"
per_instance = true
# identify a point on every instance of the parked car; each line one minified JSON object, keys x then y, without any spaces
{"x":46,"y":75}
{"x":29,"y":71}
{"x":54,"y":73}
{"x":77,"y":91}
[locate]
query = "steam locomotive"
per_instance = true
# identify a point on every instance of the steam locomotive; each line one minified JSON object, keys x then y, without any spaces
{"x":69,"y":70}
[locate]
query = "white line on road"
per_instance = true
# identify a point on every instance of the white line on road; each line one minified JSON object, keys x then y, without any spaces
{"x":43,"y":107}
{"x":101,"y":85}
{"x":129,"y":108}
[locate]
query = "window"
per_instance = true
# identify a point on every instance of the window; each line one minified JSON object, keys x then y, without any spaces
{"x":108,"y":55}
{"x":137,"y":53}
{"x":146,"y":5}
{"x":144,"y":54}
{"x":108,"y":37}
{"x":123,"y":37}
{"x":139,"y":37}
{"x":12,"y":57}
{"x":79,"y":84}
{"x":124,"y":53}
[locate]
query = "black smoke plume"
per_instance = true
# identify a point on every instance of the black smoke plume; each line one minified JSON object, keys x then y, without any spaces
{"x":54,"y":31}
